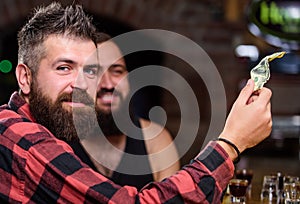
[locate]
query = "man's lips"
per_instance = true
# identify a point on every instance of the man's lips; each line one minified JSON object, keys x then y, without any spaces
{"x":107,"y":98}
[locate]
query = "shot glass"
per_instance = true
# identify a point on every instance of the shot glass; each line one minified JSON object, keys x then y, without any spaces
{"x":292,"y":191}
{"x":269,"y":189}
{"x":245,"y":174}
{"x":238,"y":190}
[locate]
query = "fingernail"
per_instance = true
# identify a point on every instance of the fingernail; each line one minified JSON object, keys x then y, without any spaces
{"x":248,"y":82}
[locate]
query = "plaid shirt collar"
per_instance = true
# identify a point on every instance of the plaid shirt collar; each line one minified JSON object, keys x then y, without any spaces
{"x":19,"y":105}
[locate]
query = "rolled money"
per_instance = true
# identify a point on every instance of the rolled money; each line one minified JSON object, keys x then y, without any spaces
{"x":261,"y":72}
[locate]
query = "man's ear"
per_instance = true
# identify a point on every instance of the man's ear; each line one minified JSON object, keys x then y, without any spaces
{"x":24,"y":78}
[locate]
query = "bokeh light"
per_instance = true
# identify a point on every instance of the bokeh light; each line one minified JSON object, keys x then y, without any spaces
{"x":5,"y":66}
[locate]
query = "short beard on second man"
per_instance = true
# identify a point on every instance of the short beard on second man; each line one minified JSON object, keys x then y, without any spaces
{"x":107,"y":120}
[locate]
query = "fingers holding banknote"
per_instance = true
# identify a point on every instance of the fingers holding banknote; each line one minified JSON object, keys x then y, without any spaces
{"x":249,"y":121}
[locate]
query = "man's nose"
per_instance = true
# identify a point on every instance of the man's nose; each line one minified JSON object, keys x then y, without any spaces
{"x":80,"y":81}
{"x":106,"y":81}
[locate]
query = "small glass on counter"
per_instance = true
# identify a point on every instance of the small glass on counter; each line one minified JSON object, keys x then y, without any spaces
{"x":245,"y":174}
{"x":269,"y":189}
{"x":291,"y":190}
{"x":238,"y":190}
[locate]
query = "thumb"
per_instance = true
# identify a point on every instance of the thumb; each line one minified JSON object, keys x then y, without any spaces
{"x":246,"y":92}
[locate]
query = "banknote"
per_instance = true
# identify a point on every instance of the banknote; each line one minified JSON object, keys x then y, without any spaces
{"x":261,"y":72}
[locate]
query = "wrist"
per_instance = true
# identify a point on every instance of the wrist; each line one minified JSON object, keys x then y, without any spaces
{"x":231,"y":149}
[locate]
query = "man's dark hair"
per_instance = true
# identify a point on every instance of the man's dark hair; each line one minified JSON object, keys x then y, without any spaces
{"x":102,"y":37}
{"x":51,"y":20}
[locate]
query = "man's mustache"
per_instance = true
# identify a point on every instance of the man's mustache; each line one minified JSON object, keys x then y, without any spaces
{"x":103,"y":91}
{"x":77,"y":96}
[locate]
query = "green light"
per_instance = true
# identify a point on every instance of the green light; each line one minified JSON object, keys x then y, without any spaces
{"x":5,"y":66}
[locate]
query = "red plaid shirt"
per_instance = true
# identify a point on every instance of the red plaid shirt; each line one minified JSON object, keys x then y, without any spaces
{"x":36,"y":167}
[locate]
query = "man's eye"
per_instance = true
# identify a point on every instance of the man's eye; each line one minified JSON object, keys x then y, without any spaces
{"x":63,"y":68}
{"x":117,"y":71}
{"x":91,"y":72}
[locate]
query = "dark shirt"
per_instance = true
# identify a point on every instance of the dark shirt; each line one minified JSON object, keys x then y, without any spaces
{"x":36,"y":167}
{"x":134,"y":145}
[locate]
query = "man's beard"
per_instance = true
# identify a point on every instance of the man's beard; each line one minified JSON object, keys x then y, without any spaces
{"x":63,"y":124}
{"x":106,"y":120}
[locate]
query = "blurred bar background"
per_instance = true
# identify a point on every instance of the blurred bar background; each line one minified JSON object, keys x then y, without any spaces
{"x":236,"y":34}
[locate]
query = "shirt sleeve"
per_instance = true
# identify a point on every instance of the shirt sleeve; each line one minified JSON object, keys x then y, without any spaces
{"x":55,"y":174}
